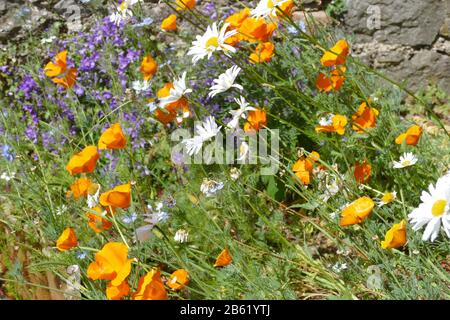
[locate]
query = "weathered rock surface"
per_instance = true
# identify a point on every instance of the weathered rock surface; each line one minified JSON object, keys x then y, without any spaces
{"x":409,"y":39}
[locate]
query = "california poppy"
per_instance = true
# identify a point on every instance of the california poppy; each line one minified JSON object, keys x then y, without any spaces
{"x":338,"y":123}
{"x":185,"y":4}
{"x":395,"y":237}
{"x":336,"y":55}
{"x":223,"y":259}
{"x":333,"y":82}
{"x":304,"y":166}
{"x":236,"y":19}
{"x":179,"y":279}
{"x":112,"y":138}
{"x":59,"y":72}
{"x":150,"y":287}
{"x":411,"y":136}
{"x":356,"y":212}
{"x":256,"y":30}
{"x":362,"y":171}
{"x":80,"y":187}
{"x":84,"y":161}
{"x":256,"y":120}
{"x":67,"y":240}
{"x":148,"y":67}
{"x":263,"y":53}
{"x":169,"y":23}
{"x":176,"y":110}
{"x":119,"y":197}
{"x":365,"y":117}
{"x":111,"y":263}
{"x":96,"y":222}
{"x":117,"y":292}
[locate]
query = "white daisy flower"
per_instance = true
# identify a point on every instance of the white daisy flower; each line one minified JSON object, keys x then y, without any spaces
{"x":226,"y":81}
{"x":181,"y":236}
{"x":123,"y":11}
{"x":210,"y":187}
{"x":406,"y":160}
{"x":177,"y":92}
{"x":212,"y":40}
{"x":204,"y":131}
{"x":434,"y":210}
{"x":387,"y":197}
{"x":239,"y":113}
{"x":266,"y":8}
{"x":140,"y":86}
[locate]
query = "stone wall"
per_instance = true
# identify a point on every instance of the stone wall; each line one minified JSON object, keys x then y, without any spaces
{"x":409,"y":39}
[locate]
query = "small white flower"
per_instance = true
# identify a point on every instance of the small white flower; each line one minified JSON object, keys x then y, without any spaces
{"x":92,"y":199}
{"x":210,"y":187}
{"x":239,"y":113}
{"x":406,"y":160}
{"x":338,"y":266}
{"x":387,"y":197}
{"x":7,"y":177}
{"x":61,"y":210}
{"x":226,"y":81}
{"x":204,"y":131}
{"x":266,"y":8}
{"x":181,"y":236}
{"x":177,"y":92}
{"x":326,"y":121}
{"x":433,"y":210}
{"x":212,"y":40}
{"x":235,"y":173}
{"x":140,"y":86}
{"x":50,"y":39}
{"x":157,"y":215}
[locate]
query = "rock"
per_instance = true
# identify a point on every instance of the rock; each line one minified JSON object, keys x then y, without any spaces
{"x":318,"y":16}
{"x":412,"y":23}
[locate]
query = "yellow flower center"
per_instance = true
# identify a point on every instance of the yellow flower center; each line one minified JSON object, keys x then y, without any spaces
{"x":212,"y":42}
{"x":406,"y":163}
{"x":270,"y":4}
{"x":387,"y":197}
{"x":123,"y":6}
{"x":438,"y":208}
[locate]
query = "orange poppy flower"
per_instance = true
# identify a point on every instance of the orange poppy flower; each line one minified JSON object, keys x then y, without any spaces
{"x":263,"y":53}
{"x":362,"y":171}
{"x":111,"y":263}
{"x":411,"y":136}
{"x":148,"y":67}
{"x":395,"y":237}
{"x":112,"y":138}
{"x":286,"y":7}
{"x":334,"y":82}
{"x":119,"y":197}
{"x":58,"y":71}
{"x":67,"y":240}
{"x":169,"y":23}
{"x":365,"y":117}
{"x":256,"y":120}
{"x":96,"y":222}
{"x":173,"y":111}
{"x":150,"y":287}
{"x":336,"y":55}
{"x":117,"y":292}
{"x":236,"y":19}
{"x":304,"y":166}
{"x":84,"y":161}
{"x":178,"y":280}
{"x":256,"y":30}
{"x":223,"y":259}
{"x":338,"y":125}
{"x":185,"y":4}
{"x":80,"y":188}
{"x":356,"y":212}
